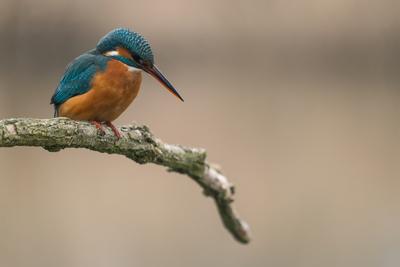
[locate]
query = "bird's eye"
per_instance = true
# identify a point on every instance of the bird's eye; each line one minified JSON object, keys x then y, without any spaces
{"x":137,"y":59}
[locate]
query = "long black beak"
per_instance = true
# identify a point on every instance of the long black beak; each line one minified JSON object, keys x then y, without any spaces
{"x":155,"y":72}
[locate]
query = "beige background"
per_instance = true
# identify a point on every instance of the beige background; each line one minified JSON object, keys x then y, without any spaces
{"x":297,"y":100}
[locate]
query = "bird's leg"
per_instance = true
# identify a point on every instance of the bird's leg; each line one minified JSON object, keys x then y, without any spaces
{"x":99,"y":127}
{"x":114,"y":129}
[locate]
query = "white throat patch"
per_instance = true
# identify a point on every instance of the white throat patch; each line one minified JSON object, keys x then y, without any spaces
{"x":133,"y":69}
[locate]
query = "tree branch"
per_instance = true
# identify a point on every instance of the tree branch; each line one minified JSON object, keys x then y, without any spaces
{"x":138,"y":144}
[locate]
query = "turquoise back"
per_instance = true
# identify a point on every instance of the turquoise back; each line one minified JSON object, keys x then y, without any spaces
{"x":78,"y":76}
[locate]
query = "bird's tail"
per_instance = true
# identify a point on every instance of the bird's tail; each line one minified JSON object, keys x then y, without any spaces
{"x":55,"y":111}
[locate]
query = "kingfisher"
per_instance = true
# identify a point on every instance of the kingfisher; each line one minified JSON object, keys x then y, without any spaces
{"x":99,"y":85}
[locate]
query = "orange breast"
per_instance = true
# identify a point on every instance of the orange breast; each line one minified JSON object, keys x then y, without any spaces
{"x":112,"y":92}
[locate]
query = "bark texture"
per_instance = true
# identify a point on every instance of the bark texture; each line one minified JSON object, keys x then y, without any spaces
{"x":138,"y":144}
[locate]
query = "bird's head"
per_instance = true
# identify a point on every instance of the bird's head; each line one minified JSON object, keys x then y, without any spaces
{"x":133,"y":50}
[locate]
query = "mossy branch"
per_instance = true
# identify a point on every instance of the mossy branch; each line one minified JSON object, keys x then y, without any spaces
{"x":138,"y":144}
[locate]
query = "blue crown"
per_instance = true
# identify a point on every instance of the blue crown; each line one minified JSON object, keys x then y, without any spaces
{"x":132,"y":41}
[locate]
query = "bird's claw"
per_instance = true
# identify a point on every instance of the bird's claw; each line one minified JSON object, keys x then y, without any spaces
{"x":99,"y":127}
{"x":114,"y":129}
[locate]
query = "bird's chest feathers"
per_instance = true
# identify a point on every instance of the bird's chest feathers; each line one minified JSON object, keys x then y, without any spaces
{"x":118,"y":84}
{"x":112,"y":91}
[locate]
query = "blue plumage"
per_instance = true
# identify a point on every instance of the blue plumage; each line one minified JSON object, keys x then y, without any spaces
{"x":78,"y":76}
{"x":132,"y":41}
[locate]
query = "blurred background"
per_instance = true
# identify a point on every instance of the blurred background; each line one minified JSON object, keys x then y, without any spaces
{"x":297,"y":100}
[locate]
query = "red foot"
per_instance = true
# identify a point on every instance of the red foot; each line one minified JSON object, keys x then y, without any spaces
{"x":114,"y":129}
{"x":98,"y":126}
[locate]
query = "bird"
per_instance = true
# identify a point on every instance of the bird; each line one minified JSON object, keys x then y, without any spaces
{"x":99,"y":85}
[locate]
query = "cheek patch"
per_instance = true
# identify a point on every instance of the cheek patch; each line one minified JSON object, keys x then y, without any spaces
{"x":125,"y":53}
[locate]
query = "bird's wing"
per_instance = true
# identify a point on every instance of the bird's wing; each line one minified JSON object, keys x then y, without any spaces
{"x":78,"y":76}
